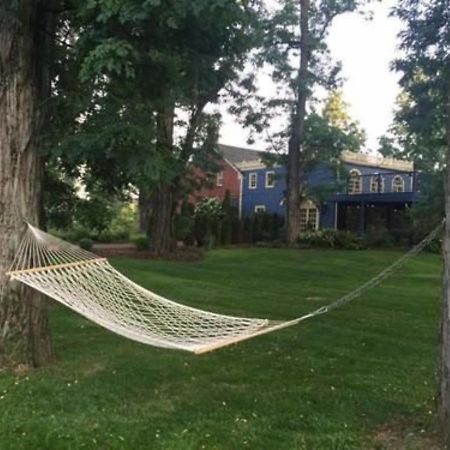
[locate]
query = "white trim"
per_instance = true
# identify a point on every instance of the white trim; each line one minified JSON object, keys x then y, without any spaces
{"x":251,"y":165}
{"x":233,"y":166}
{"x":359,"y":175}
{"x":378,"y":177}
{"x":373,"y":161}
{"x":261,"y":208}
{"x":398,"y":177}
{"x":310,"y":208}
{"x":250,"y":174}
{"x":219,"y":178}
{"x":270,"y":172}
{"x":241,"y":188}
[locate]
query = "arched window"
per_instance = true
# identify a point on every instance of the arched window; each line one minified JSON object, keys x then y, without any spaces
{"x":377,"y":183}
{"x":398,"y":184}
{"x":355,"y":182}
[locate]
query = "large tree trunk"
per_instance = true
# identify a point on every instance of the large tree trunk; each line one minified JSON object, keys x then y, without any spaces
{"x":24,"y":334}
{"x":145,"y":208}
{"x":160,"y":230}
{"x":295,"y":173}
{"x":444,"y":339}
{"x":161,"y":220}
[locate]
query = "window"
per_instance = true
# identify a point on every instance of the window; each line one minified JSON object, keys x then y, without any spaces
{"x":398,"y":184}
{"x":270,"y":179}
{"x":377,"y":183}
{"x":309,"y":216}
{"x":219,"y":179}
{"x":355,"y":182}
{"x":259,"y":209}
{"x":252,"y":180}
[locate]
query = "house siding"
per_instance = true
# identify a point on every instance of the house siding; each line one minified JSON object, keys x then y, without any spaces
{"x":273,"y":199}
{"x":231,"y":183}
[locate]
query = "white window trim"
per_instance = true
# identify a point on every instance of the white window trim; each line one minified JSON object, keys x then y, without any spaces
{"x":250,"y":175}
{"x":219,"y":179}
{"x":398,"y":177}
{"x":259,"y":209}
{"x":358,"y":173}
{"x":268,"y":186}
{"x":377,"y":178}
{"x":311,"y":208}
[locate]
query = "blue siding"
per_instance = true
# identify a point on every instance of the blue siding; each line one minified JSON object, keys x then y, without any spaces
{"x":387,"y":174}
{"x":273,"y":198}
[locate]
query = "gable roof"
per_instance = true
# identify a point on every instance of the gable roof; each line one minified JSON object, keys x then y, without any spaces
{"x":237,"y":155}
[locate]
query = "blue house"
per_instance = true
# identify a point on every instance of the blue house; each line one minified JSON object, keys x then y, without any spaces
{"x":370,"y":193}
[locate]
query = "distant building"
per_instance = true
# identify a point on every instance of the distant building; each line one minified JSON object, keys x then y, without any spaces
{"x":228,"y":178}
{"x":375,"y":193}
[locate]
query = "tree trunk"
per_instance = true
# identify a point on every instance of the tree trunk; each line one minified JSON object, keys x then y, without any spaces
{"x":162,"y":206}
{"x":144,"y":203}
{"x":444,"y":339}
{"x":295,"y":173}
{"x":161,"y":221}
{"x":24,"y":84}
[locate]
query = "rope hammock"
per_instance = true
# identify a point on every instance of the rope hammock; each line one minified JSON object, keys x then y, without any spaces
{"x":90,"y":286}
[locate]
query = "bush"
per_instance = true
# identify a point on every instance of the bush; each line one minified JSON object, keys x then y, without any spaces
{"x":114,"y":236}
{"x":74,"y":235}
{"x":141,"y":242}
{"x":86,"y":244}
{"x":380,"y":239}
{"x":348,"y":240}
{"x":332,"y":239}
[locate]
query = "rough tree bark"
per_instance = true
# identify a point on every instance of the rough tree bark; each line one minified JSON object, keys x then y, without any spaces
{"x":294,"y":173}
{"x":145,"y":207}
{"x":162,"y":204}
{"x":24,"y":40}
{"x":161,"y":220}
{"x":444,"y":338}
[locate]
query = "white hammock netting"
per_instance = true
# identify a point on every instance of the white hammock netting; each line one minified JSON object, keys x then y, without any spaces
{"x":89,"y":285}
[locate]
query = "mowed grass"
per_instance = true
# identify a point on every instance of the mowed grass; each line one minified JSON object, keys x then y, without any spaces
{"x":329,"y":383}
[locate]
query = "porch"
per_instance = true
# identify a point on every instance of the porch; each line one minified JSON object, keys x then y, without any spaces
{"x":373,"y":212}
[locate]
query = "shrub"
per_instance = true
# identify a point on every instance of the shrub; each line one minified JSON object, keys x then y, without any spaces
{"x":379,"y":239}
{"x":332,"y":239}
{"x":348,"y":240}
{"x":141,"y":242}
{"x":74,"y":235}
{"x":114,"y":236}
{"x":86,"y":244}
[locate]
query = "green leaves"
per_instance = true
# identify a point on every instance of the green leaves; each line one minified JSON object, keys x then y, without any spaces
{"x":110,"y":57}
{"x":419,"y":129}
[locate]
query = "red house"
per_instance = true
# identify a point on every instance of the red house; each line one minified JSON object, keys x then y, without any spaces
{"x":228,"y":178}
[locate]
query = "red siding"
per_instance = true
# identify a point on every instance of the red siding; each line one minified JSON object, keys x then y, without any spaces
{"x":230,"y":183}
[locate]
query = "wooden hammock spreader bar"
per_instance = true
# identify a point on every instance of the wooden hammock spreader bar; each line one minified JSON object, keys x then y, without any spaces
{"x":13,"y":273}
{"x":234,"y":340}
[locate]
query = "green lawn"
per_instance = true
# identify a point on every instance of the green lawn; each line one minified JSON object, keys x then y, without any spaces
{"x":332,"y":382}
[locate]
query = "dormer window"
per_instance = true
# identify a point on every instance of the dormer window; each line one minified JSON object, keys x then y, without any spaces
{"x":398,"y":184}
{"x":252,"y":180}
{"x":355,"y":182}
{"x":270,"y":179}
